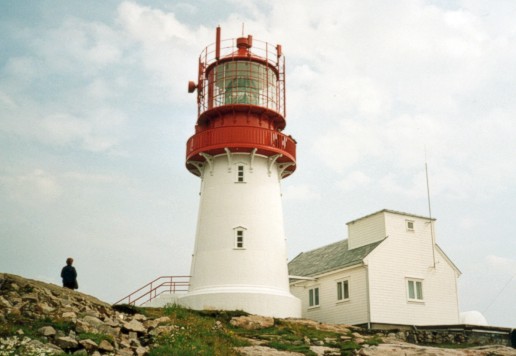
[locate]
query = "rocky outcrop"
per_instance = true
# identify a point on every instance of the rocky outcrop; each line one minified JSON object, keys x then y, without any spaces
{"x":37,"y":318}
{"x":86,"y":325}
{"x":252,"y":322}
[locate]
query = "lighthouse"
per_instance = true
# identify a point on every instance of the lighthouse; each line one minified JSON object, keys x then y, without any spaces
{"x":240,"y":154}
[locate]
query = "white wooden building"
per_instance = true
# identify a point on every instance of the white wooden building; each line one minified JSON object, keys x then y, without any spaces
{"x":388,"y":271}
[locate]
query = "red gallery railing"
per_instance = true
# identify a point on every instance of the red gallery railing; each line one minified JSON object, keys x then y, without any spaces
{"x":150,"y":291}
{"x":263,"y":139}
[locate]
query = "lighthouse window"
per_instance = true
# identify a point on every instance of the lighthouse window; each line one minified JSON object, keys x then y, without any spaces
{"x":239,"y":242}
{"x":240,"y":173}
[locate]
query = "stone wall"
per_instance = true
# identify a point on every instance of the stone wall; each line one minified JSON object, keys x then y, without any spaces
{"x":448,"y":334}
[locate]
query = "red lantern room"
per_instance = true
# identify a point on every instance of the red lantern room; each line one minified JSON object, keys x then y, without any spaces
{"x":241,"y":103}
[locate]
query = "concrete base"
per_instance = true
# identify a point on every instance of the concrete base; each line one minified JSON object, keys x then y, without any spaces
{"x":163,"y":300}
{"x":258,"y":301}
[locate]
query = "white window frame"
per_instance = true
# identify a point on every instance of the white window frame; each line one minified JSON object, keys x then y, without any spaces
{"x":415,"y":291}
{"x":240,"y":238}
{"x":410,"y":225}
{"x":342,"y":290}
{"x":313,"y":297}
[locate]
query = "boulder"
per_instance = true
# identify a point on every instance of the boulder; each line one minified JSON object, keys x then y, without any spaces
{"x":47,"y":331}
{"x":89,"y":345}
{"x":106,"y":346}
{"x":252,"y":322}
{"x":134,"y":325}
{"x":66,"y":342}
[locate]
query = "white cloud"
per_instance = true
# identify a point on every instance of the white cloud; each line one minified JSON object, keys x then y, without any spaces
{"x":387,"y":97}
{"x":151,"y":26}
{"x":23,"y":69}
{"x":90,"y":177}
{"x":354,"y":180}
{"x":166,"y":46}
{"x":501,"y":264}
{"x":7,"y":101}
{"x":35,"y":187}
{"x":62,"y":129}
{"x":302,"y":192}
{"x":96,"y":133}
{"x":94,"y":45}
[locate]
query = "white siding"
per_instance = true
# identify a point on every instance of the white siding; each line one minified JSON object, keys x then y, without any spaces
{"x":404,"y":254}
{"x":330,"y":310}
{"x":366,"y":231}
{"x":253,"y":278}
{"x":409,"y":254}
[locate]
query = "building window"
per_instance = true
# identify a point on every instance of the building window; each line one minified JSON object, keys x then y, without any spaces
{"x":410,"y":225}
{"x":240,"y":174}
{"x":239,"y":238}
{"x":343,"y":290}
{"x":415,"y":289}
{"x":313,"y":297}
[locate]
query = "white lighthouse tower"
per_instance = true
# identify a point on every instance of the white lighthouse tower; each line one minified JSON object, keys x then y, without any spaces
{"x":241,"y":155}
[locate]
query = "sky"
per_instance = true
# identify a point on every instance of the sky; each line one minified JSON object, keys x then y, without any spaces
{"x":95,"y":115}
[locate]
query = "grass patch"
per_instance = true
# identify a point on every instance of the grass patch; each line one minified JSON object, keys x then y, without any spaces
{"x":197,"y":333}
{"x":374,"y":341}
{"x":30,"y":327}
{"x":288,"y":331}
{"x":282,"y":346}
{"x":348,"y":348}
{"x":97,"y":338}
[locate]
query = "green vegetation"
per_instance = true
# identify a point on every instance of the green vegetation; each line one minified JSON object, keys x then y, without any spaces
{"x":375,"y":340}
{"x":196,"y":333}
{"x":282,"y":346}
{"x":30,"y":327}
{"x":348,"y":348}
{"x":192,"y":332}
{"x":290,"y":336}
{"x":97,"y":338}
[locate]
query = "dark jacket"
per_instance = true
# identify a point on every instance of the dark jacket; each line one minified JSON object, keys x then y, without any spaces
{"x":69,"y":275}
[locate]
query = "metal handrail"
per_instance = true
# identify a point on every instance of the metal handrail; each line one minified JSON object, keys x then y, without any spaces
{"x":153,"y":289}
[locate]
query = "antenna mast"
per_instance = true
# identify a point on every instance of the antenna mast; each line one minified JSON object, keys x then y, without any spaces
{"x":430,"y":210}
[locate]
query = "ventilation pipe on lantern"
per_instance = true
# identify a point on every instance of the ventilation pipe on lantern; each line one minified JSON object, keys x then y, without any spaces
{"x":217,"y":44}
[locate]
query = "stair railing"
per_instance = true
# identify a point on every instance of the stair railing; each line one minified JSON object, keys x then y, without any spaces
{"x":153,"y":289}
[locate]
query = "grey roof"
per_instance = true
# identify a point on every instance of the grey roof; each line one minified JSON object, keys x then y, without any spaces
{"x":328,"y":258}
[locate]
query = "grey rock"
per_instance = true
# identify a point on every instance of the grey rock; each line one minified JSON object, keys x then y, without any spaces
{"x":89,"y":345}
{"x":252,"y":322}
{"x":134,"y":325}
{"x":93,"y":321}
{"x":106,"y":346}
{"x":66,"y":342}
{"x":47,"y":331}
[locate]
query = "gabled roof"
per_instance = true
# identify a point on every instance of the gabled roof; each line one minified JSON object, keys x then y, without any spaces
{"x":328,"y":258}
{"x":392,"y":212}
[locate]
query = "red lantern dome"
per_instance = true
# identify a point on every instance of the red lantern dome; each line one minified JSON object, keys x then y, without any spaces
{"x":241,"y":103}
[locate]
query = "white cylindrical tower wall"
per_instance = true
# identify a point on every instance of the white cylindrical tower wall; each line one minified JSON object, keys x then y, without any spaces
{"x":240,"y":255}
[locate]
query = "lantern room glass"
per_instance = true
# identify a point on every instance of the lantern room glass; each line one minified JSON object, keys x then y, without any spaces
{"x":244,"y":82}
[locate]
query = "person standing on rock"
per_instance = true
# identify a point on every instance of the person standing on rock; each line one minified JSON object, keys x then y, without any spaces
{"x":69,"y":275}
